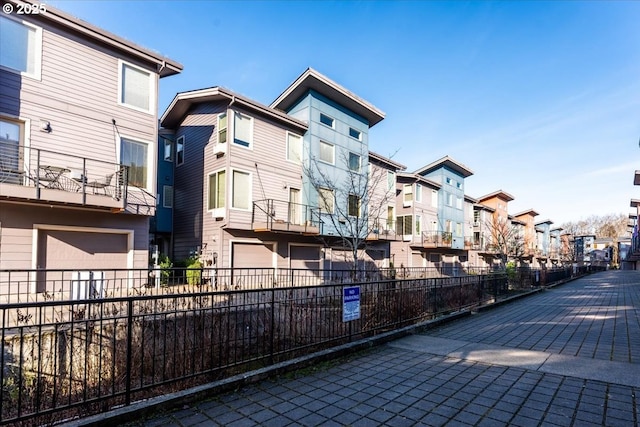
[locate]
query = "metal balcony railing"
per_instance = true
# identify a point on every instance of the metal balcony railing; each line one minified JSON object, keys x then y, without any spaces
{"x":382,"y":229}
{"x":36,"y":174}
{"x":278,"y":215}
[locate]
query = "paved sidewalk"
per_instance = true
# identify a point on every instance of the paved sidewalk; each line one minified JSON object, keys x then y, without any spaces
{"x":569,"y":356}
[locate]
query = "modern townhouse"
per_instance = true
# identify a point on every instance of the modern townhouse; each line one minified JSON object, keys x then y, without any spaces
{"x":543,"y":245}
{"x":632,"y":259}
{"x":264,"y":186}
{"x":78,"y":120}
{"x":556,"y":255}
{"x":417,"y":222}
{"x":482,"y":254}
{"x":446,"y":240}
{"x":529,"y":236}
{"x":161,"y":225}
{"x":498,"y":227}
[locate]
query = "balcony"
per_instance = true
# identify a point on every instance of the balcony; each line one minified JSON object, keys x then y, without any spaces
{"x":43,"y":176}
{"x":286,"y":217}
{"x":437,"y":239}
{"x":382,"y":229}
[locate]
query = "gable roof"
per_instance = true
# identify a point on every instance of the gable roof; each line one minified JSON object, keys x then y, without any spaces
{"x":184,"y":100}
{"x":418,"y":178}
{"x":312,"y":79}
{"x":385,"y":160}
{"x":527,"y":212}
{"x":164,"y":66}
{"x":448,"y":162}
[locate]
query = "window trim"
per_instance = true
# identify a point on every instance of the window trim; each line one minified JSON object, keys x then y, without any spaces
{"x":233,"y":187}
{"x":359,"y":168}
{"x":183,"y":145}
{"x":321,"y":200}
{"x":300,"y":138}
{"x":359,"y":137}
{"x":226,"y":128}
{"x":164,"y":150}
{"x":219,"y":208}
{"x":249,"y":145}
{"x":358,"y":205}
{"x":37,"y":73}
{"x":418,"y":193}
{"x":151,"y":173}
{"x":333,"y":153}
{"x":333,"y":121}
{"x":152,"y":87}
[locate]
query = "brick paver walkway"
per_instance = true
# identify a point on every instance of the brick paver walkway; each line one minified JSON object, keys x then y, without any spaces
{"x":569,"y":356}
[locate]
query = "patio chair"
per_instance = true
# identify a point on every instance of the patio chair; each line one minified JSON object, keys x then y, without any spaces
{"x":101,"y":184}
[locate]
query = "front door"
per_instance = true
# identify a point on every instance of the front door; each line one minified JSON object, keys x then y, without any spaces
{"x":294,"y":206}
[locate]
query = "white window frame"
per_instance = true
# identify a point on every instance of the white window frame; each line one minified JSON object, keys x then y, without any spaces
{"x":417,"y":224}
{"x":458,"y":202}
{"x":359,"y":137}
{"x":391,"y":180}
{"x":418,"y":195}
{"x":249,"y":143}
{"x":295,"y":136}
{"x":151,"y":173}
{"x":37,"y":48}
{"x":225,"y":128}
{"x":249,"y":192}
{"x":218,"y":211}
{"x":167,"y":189}
{"x":322,"y":202}
{"x":333,"y":153}
{"x":434,"y":198}
{"x":333,"y":121}
{"x":359,"y":167}
{"x":180,"y":142}
{"x":152,"y":87}
{"x":407,"y":195}
{"x":167,"y":142}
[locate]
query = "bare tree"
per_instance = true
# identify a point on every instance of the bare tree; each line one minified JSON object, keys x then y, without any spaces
{"x":350,"y":200}
{"x":506,"y":239}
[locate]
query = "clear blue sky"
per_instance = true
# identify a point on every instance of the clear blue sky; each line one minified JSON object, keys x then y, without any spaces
{"x":539,"y":99}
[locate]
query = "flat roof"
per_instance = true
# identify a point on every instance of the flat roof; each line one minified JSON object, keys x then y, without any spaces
{"x":165,"y":66}
{"x":386,"y":160}
{"x":312,"y":79}
{"x":448,"y":162}
{"x":184,"y":100}
{"x":499,"y":194}
{"x":527,"y":212}
{"x":418,"y":178}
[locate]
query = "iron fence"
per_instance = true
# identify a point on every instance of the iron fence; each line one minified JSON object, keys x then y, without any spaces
{"x":65,"y":359}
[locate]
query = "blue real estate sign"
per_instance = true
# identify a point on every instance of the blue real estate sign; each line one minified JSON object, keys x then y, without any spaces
{"x":350,"y":303}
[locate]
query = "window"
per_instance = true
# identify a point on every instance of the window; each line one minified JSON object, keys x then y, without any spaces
{"x":459,"y":185}
{"x":217,"y":186}
{"x":404,"y":225}
{"x":448,"y":226}
{"x":459,"y":202}
{"x":243,"y":129}
{"x":418,"y":224}
{"x":391,"y":213}
{"x":448,"y":180}
{"x":134,"y":154}
{"x":241,"y":188}
{"x":167,"y":196}
{"x":418,"y":193}
{"x":136,"y":88}
{"x":20,"y":47}
{"x":180,"y":151}
{"x":168,"y":150}
{"x":354,"y":162}
{"x":449,"y":199}
{"x":354,"y":133}
{"x":326,"y":200}
{"x":391,"y":180}
{"x":407,"y":190}
{"x":222,"y":128}
{"x":326,"y":120}
{"x":476,"y":216}
{"x":327,"y":152}
{"x":434,"y":198}
{"x":353,"y":206}
{"x":12,"y":155}
{"x":458,"y":229}
{"x":294,"y":148}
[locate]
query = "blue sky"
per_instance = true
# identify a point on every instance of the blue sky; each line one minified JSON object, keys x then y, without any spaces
{"x":539,"y":99}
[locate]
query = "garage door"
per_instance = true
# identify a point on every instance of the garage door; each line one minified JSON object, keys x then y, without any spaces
{"x":252,"y":255}
{"x":305,"y":257}
{"x":374,"y":259}
{"x":417,"y":259}
{"x":81,"y":250}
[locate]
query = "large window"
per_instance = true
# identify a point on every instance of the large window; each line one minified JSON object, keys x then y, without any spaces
{"x":180,"y":151}
{"x":404,"y":225}
{"x":354,"y":162}
{"x":136,"y":87}
{"x":243,"y":129}
{"x":418,"y":224}
{"x":418,"y":193}
{"x":327,"y":152}
{"x":217,"y":184}
{"x":294,"y":148}
{"x":10,"y":152}
{"x":391,"y":180}
{"x":326,"y":200}
{"x":134,"y":154}
{"x":241,"y":198}
{"x":353,"y":205}
{"x":20,"y":47}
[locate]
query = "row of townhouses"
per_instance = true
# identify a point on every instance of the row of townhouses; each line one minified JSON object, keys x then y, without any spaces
{"x":91,"y":174}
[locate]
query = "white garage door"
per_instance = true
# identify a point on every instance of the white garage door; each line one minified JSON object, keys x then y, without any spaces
{"x":252,"y":255}
{"x":81,"y":250}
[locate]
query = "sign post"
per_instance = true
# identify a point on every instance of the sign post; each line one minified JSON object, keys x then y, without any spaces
{"x":350,"y":303}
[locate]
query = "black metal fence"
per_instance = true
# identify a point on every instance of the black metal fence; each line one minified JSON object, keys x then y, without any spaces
{"x":65,"y":359}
